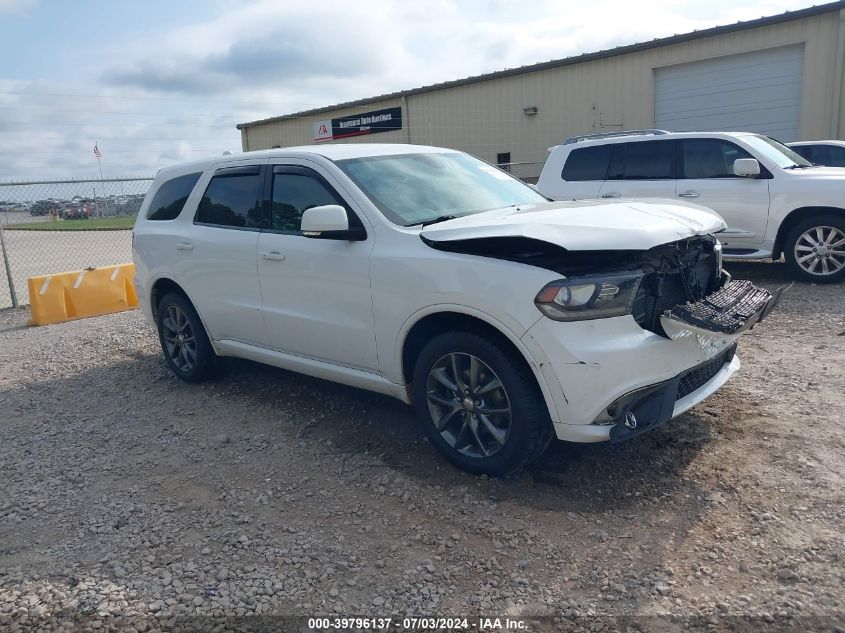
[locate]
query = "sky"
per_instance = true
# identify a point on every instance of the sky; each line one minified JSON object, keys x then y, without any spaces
{"x":158,"y":82}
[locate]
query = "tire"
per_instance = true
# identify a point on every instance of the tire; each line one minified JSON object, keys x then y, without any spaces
{"x":492,"y":442}
{"x":191,"y":358}
{"x":804,"y":237}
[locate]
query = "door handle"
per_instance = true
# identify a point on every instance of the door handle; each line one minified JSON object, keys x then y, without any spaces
{"x":611,"y":194}
{"x":184,"y":246}
{"x":689,"y":194}
{"x":273,"y":256}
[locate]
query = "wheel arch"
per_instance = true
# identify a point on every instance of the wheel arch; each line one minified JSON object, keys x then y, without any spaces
{"x":423,"y":327}
{"x":793,"y":218}
{"x":163,"y":286}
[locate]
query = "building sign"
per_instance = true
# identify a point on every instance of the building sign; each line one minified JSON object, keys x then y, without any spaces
{"x":385,"y":120}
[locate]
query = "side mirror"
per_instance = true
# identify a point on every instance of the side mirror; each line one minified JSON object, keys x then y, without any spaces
{"x":746,"y":167}
{"x":329,"y":222}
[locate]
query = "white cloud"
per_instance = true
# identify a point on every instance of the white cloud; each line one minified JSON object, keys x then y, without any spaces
{"x":17,"y":6}
{"x":177,"y":93}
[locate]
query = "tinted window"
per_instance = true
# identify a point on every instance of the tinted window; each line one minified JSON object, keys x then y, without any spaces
{"x":710,"y":158}
{"x":170,"y":198}
{"x":830,"y":155}
{"x":647,"y":160}
{"x":587,"y":163}
{"x":292,"y":195}
{"x":836,"y":156}
{"x":503,"y":160}
{"x":233,"y":199}
{"x":805,"y":151}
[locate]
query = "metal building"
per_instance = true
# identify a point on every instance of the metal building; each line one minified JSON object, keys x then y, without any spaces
{"x":780,"y":75}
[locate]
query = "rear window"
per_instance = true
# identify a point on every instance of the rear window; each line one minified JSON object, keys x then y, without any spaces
{"x":587,"y":163}
{"x":171,"y":197}
{"x":646,"y":160}
{"x":233,"y":199}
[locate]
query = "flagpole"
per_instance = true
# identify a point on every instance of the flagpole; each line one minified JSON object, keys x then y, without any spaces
{"x":100,"y":166}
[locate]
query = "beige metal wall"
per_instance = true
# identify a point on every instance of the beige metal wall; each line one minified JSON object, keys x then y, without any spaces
{"x":487,"y":118}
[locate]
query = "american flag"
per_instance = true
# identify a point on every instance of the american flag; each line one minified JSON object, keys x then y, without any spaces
{"x":97,"y":152}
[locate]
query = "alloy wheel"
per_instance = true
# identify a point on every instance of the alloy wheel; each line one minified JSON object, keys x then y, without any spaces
{"x":179,"y":340}
{"x":468,"y":405}
{"x":820,"y":250}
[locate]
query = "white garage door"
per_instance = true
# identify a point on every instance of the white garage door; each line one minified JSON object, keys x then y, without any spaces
{"x":756,"y":92}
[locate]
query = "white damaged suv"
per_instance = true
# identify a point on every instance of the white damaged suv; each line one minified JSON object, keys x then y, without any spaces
{"x":428,"y":275}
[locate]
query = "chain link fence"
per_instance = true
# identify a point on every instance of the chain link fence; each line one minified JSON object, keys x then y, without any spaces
{"x":57,"y":226}
{"x":61,"y":225}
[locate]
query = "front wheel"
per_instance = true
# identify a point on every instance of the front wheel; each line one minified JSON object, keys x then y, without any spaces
{"x":815,"y":249}
{"x":479,"y":404}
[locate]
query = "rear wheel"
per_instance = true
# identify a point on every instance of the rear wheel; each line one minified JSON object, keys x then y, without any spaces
{"x":479,"y":404}
{"x":183,"y":339}
{"x":815,"y":249}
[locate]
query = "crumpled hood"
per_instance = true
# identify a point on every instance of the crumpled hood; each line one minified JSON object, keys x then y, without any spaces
{"x":586,"y":224}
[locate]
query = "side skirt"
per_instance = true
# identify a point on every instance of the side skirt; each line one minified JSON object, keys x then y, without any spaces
{"x":318,"y":369}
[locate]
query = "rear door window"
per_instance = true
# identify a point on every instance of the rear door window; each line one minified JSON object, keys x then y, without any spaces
{"x":233,"y":200}
{"x":587,"y":163}
{"x":710,"y":158}
{"x":171,"y":197}
{"x":645,"y":160}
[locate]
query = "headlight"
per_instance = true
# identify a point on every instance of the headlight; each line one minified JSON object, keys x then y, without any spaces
{"x":591,"y":297}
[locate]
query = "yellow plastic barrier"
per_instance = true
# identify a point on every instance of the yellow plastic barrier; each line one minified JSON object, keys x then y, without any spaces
{"x":80,"y":294}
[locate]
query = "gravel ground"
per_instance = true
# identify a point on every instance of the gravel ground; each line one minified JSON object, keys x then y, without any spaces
{"x":130,"y":498}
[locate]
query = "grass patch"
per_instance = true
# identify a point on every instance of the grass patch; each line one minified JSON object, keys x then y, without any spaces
{"x":113,"y":223}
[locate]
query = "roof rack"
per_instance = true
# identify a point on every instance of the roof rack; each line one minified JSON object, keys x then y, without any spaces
{"x":584,"y":137}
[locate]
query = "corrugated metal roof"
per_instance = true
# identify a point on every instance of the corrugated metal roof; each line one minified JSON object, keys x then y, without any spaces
{"x":567,"y":61}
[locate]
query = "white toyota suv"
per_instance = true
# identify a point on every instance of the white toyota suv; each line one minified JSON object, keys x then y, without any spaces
{"x":774,"y":201}
{"x":433,"y":277}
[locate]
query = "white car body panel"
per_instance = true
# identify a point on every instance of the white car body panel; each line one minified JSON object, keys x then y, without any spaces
{"x":637,"y":189}
{"x":738,"y":201}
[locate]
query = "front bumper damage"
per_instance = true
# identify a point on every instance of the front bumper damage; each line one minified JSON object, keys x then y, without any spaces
{"x":716,"y":322}
{"x":734,"y":308}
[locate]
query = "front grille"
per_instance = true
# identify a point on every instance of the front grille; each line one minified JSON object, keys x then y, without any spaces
{"x":653,"y":300}
{"x":700,"y":375}
{"x":674,"y":274}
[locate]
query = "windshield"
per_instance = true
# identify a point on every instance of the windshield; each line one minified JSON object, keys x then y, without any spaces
{"x":776,"y":152}
{"x":416,"y":188}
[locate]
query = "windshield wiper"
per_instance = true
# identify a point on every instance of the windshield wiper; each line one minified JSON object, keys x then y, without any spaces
{"x":441,"y":218}
{"x":797,"y":166}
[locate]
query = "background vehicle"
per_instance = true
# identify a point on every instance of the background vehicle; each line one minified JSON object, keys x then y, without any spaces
{"x":828,"y":153}
{"x":76,"y":212}
{"x":430,"y":276}
{"x":774,"y":201}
